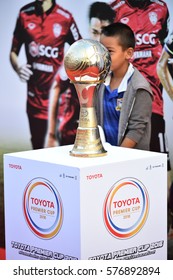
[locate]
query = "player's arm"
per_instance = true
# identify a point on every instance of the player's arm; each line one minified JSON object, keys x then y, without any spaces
{"x":73,"y":33}
{"x":164,"y":73}
{"x":165,"y":22}
{"x":24,"y":71}
{"x":52,"y":118}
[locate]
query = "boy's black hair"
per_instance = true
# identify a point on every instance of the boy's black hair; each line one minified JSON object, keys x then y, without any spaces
{"x":123,"y":31}
{"x":102,"y":11}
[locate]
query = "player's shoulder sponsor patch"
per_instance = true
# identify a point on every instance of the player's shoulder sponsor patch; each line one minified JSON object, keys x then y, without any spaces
{"x":63,"y":13}
{"x":118,"y":5}
{"x":158,"y":2}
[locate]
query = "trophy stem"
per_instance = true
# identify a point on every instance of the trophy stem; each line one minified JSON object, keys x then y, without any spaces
{"x":87,"y":117}
{"x":87,"y":141}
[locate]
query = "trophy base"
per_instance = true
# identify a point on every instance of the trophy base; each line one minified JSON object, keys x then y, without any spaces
{"x":88,"y":143}
{"x":75,"y":153}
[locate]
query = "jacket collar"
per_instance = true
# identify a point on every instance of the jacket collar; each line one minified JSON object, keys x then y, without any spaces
{"x":124,"y":82}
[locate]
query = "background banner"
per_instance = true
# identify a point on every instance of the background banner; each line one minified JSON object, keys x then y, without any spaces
{"x":14,"y":127}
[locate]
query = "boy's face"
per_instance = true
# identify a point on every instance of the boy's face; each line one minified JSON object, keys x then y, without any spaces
{"x":119,"y":57}
{"x":95,"y":27}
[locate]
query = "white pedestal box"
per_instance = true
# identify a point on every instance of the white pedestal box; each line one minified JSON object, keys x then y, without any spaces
{"x":62,"y":207}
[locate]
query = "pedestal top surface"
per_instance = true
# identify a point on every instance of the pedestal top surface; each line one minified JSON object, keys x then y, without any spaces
{"x":61,"y":155}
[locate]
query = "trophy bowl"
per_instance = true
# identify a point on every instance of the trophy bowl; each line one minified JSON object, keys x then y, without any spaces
{"x":87,"y":61}
{"x":87,"y":64}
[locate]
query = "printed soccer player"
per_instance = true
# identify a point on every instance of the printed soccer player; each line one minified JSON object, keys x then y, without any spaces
{"x":64,"y":104}
{"x":63,"y":112}
{"x":164,"y":66}
{"x":43,"y":27}
{"x":165,"y":73}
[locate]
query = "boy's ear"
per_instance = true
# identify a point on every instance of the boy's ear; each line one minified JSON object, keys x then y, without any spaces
{"x":130,"y":52}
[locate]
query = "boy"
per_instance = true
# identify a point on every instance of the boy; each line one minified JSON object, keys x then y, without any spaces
{"x":124,"y":102}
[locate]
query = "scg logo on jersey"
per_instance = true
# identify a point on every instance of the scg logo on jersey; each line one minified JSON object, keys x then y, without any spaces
{"x":42,"y":207}
{"x":126,"y":207}
{"x":42,"y":50}
{"x":145,"y":39}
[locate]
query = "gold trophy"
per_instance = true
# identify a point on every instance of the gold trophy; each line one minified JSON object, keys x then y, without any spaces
{"x":87,"y":64}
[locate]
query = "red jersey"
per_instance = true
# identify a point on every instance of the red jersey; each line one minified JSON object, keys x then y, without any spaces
{"x":150,"y":25}
{"x":44,"y":38}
